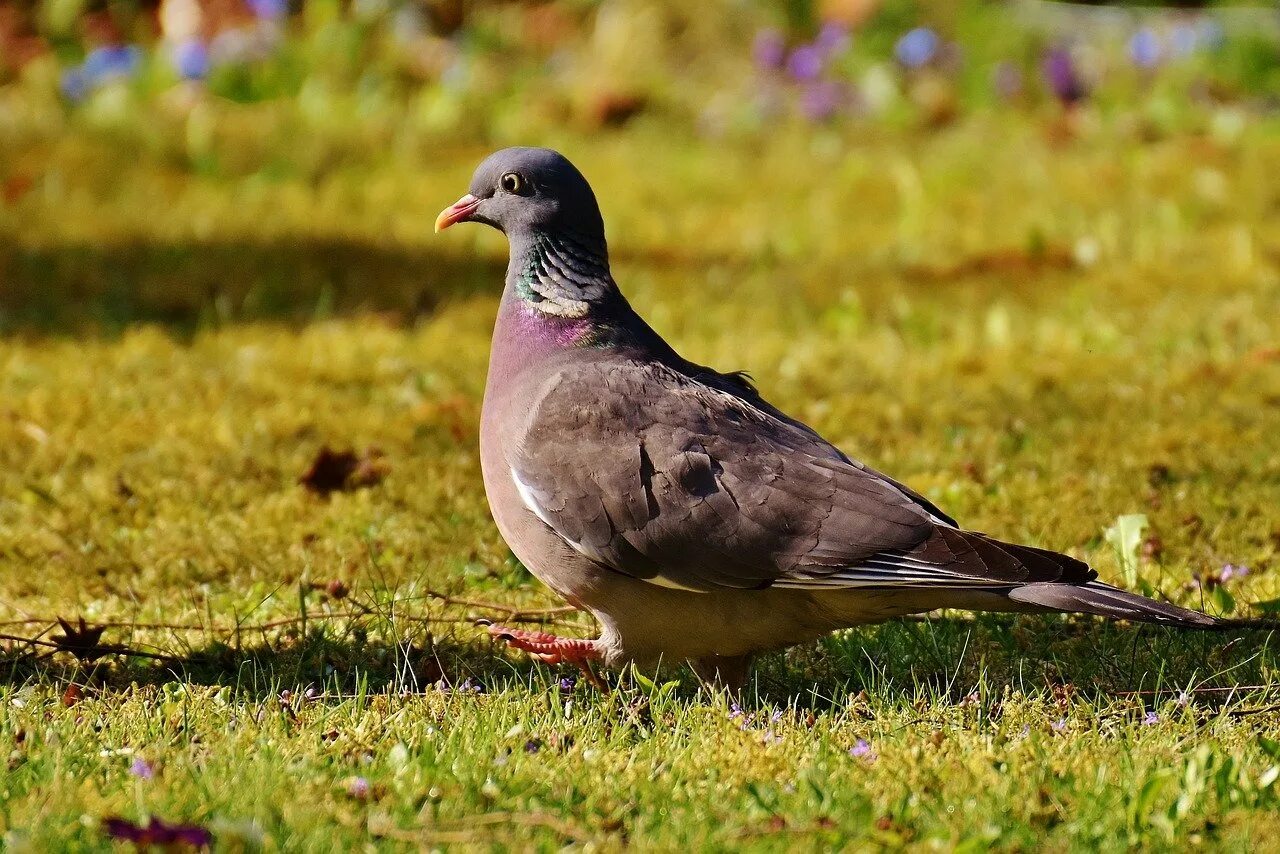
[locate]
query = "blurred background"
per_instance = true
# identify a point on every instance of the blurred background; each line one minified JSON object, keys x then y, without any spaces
{"x":198,"y":161}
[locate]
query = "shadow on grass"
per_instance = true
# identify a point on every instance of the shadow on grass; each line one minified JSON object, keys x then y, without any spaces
{"x":942,"y":660}
{"x":76,"y":288}
{"x":951,"y":658}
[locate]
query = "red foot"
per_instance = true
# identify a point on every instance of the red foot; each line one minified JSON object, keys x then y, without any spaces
{"x":552,"y":649}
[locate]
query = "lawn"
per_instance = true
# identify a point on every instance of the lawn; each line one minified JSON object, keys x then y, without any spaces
{"x":1079,"y":329}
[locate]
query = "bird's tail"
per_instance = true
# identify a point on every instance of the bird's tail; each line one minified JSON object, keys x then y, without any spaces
{"x":1107,"y":601}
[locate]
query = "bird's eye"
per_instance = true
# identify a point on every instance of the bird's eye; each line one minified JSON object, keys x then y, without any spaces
{"x":513,"y":182}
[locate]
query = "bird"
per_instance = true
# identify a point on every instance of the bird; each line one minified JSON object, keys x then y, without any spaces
{"x":696,"y":521}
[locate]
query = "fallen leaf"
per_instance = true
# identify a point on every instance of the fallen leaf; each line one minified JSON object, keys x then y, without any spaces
{"x":332,"y":471}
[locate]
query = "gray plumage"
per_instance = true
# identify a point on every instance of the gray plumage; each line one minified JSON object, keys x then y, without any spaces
{"x":695,"y":520}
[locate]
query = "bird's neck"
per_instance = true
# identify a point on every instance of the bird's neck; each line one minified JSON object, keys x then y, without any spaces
{"x":560,"y":296}
{"x":562,"y":274}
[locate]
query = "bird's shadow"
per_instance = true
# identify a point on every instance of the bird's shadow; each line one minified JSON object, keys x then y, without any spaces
{"x":946,"y":660}
{"x":952,"y":659}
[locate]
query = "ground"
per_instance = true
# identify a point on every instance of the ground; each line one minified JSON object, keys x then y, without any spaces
{"x":1079,"y":329}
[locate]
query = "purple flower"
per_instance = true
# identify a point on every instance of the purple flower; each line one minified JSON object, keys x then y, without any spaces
{"x":1230,"y":571}
{"x":567,"y":684}
{"x":832,"y":40}
{"x":1064,"y":80}
{"x":917,"y":47}
{"x":862,"y":750}
{"x":157,"y":832}
{"x":268,"y":10}
{"x":471,"y":686}
{"x":804,"y":63}
{"x":821,"y":99}
{"x":1151,"y":718}
{"x":771,"y":737}
{"x":775,"y":717}
{"x":142,"y":769}
{"x":359,"y":788}
{"x":1145,"y":50}
{"x":111,"y":62}
{"x":769,"y":50}
{"x":1060,"y":725}
{"x":190,"y":59}
{"x":1006,"y":79}
{"x":735,"y":711}
{"x":533,"y":745}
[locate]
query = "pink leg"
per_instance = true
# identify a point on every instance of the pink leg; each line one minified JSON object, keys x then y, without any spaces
{"x":552,"y":649}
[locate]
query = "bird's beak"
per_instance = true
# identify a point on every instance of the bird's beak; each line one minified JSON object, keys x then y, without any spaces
{"x":459,"y":211}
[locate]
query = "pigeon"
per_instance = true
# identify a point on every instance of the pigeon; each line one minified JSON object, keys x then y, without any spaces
{"x":695,"y":520}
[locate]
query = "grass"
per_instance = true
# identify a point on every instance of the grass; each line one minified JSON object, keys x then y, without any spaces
{"x":1041,"y":341}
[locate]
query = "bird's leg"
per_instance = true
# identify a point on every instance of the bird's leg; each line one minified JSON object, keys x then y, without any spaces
{"x":725,"y":673}
{"x":553,"y":649}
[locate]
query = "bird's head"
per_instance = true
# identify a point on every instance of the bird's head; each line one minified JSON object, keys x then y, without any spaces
{"x":527,"y":191}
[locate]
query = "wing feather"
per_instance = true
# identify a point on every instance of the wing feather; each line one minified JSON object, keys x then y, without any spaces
{"x":654,"y":474}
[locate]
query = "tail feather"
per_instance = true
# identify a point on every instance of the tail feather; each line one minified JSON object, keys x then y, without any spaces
{"x":1107,"y":601}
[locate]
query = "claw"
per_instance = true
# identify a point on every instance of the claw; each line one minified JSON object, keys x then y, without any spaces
{"x":551,"y":649}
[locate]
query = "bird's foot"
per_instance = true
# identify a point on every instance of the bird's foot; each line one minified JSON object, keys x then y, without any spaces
{"x":552,"y":649}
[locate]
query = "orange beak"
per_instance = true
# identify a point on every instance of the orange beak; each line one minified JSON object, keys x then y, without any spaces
{"x":456,"y":212}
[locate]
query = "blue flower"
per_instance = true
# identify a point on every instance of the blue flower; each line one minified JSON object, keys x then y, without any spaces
{"x":804,"y":63}
{"x":1183,"y":40}
{"x":111,"y":62}
{"x":1151,"y":718}
{"x":769,"y":50}
{"x":1145,"y":49}
{"x":268,"y":10}
{"x":191,"y":59}
{"x":917,"y":47}
{"x":1211,"y":34}
{"x":73,"y":84}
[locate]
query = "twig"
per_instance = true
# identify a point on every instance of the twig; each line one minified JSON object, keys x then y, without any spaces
{"x":512,"y":613}
{"x":519,"y":617}
{"x":1222,"y":690}
{"x":98,"y":649}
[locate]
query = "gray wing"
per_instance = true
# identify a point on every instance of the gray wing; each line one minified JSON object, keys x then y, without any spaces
{"x":653,"y":474}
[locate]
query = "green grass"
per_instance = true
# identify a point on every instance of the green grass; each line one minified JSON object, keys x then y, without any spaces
{"x":1041,"y":335}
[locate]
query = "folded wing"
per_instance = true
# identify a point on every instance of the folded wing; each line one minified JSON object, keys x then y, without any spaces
{"x":651,"y":473}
